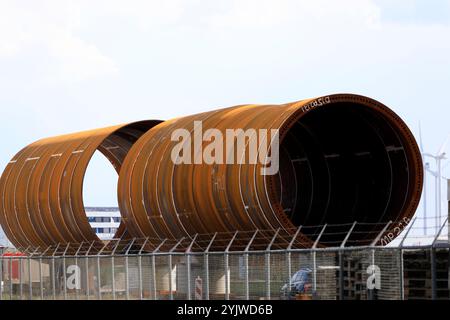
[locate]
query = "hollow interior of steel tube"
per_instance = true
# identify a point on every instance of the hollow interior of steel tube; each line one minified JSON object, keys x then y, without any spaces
{"x":99,"y":197}
{"x":339,"y":164}
{"x":101,"y":206}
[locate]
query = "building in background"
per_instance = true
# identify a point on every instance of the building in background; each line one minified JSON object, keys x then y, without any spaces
{"x":104,"y":221}
{"x":4,"y":242}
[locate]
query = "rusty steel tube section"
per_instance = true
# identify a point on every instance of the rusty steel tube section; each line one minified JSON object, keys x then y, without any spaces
{"x":342,"y":158}
{"x":42,"y":186}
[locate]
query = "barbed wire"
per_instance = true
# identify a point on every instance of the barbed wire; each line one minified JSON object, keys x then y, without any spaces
{"x":317,"y":236}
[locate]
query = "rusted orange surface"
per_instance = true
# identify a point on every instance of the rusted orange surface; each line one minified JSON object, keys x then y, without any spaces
{"x":351,"y":179}
{"x":41,"y":186}
{"x":343,"y":158}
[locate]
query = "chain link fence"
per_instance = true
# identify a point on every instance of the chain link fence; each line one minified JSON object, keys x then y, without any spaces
{"x":259,"y":265}
{"x":350,"y":273}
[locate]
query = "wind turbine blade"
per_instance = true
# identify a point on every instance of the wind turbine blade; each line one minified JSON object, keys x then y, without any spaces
{"x":444,"y":145}
{"x":420,"y":138}
{"x":446,"y":164}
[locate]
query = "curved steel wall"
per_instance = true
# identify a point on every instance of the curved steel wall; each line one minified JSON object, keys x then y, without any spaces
{"x":343,"y":158}
{"x":42,"y":186}
{"x":157,"y":197}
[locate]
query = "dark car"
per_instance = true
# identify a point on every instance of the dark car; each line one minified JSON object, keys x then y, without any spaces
{"x":301,"y":283}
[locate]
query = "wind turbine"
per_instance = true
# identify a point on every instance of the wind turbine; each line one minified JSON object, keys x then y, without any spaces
{"x":425,"y":169}
{"x":438,"y":157}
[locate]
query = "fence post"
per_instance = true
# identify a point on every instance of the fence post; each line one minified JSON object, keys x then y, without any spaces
{"x":246,"y":275}
{"x":344,"y":242}
{"x":227,"y":276}
{"x":267,"y":260}
{"x":170,"y":267}
{"x":127,"y":280}
{"x":247,"y":248}
{"x":188,"y":272}
{"x":314,"y":247}
{"x":113,"y":277}
{"x":267,"y":263}
{"x":206,"y":263}
{"x":64,"y":278}
{"x":314,"y":272}
{"x":87,"y":268}
{"x":53,"y":278}
{"x":289,"y":268}
{"x":140,"y":277}
{"x":86,"y":262}
{"x":141,"y":296}
{"x":10,"y":279}
{"x":54,"y":272}
{"x":41,"y":285}
{"x":76,"y":288}
{"x":76,"y":263}
{"x":21,"y":271}
{"x":113,"y":267}
{"x":154,"y":267}
{"x":99,"y":283}
{"x":341,"y":261}
{"x":372,"y":262}
{"x":226,"y":266}
{"x":154,"y":276}
{"x":433,"y":262}
{"x":1,"y":276}
{"x":402,"y":276}
{"x":64,"y":271}
{"x":170,"y":276}
{"x":30,"y":282}
{"x":341,"y":275}
{"x":188,"y":266}
{"x":99,"y":273}
{"x":433,"y":273}
{"x":20,"y":278}
{"x":289,"y":262}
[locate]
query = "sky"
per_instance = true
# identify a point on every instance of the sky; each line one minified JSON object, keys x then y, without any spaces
{"x":67,"y":66}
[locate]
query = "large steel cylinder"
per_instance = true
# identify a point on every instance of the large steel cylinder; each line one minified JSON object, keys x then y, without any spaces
{"x":42,"y":186}
{"x":342,"y":158}
{"x":330,"y":160}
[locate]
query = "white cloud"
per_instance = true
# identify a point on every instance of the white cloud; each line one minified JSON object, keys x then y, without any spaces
{"x":60,"y":30}
{"x":267,"y":13}
{"x":53,"y":26}
{"x":145,"y":13}
{"x":29,"y":30}
{"x":78,"y":60}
